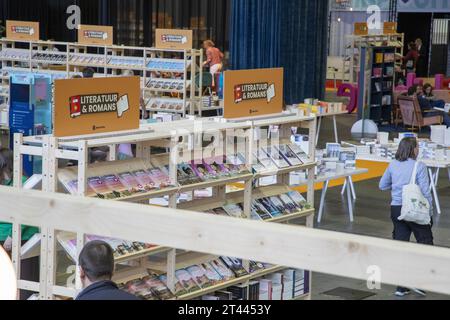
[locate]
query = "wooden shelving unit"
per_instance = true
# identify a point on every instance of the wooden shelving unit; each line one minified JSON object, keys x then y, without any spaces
{"x":173,"y":137}
{"x":167,"y":76}
{"x":355,"y":43}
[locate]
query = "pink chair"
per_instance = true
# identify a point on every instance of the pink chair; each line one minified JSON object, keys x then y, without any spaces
{"x":412,"y":114}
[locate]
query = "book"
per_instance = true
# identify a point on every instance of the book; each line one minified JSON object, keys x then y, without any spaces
{"x":211,"y":273}
{"x":224,"y":295}
{"x":259,"y":212}
{"x":234,"y":210}
{"x":299,"y":153}
{"x":379,"y":58}
{"x":130,"y":182}
{"x":113,"y":182}
{"x":264,"y":160}
{"x":299,"y":200}
{"x":158,"y":287}
{"x":202,"y":171}
{"x":377,"y":72}
{"x":270,"y":207}
{"x":253,"y":290}
{"x":179,"y":289}
{"x":276,"y":157}
{"x":199,"y":276}
{"x":235,"y":265}
{"x":98,"y":185}
{"x":235,"y":164}
{"x":289,"y":155}
{"x":140,"y":289}
{"x":159,"y":177}
{"x":279,"y":205}
{"x":144,"y":179}
{"x":186,"y":175}
{"x":289,"y":204}
{"x":186,"y":280}
{"x":222,"y":269}
{"x":239,"y":292}
{"x":217,"y":164}
{"x":256,"y":266}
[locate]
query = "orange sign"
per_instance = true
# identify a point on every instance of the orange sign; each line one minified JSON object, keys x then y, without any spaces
{"x":173,"y":39}
{"x":98,"y":105}
{"x":22,"y":30}
{"x":361,"y":29}
{"x":390,"y":28}
{"x":95,"y":35}
{"x":250,"y":93}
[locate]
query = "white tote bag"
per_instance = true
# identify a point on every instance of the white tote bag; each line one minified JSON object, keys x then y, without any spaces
{"x":415,"y":208}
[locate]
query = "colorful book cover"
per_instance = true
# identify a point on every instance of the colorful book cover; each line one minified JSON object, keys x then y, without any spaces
{"x":222,"y":269}
{"x":114,"y":183}
{"x":186,"y":175}
{"x":279,"y":205}
{"x":143,"y":177}
{"x":259,"y":210}
{"x":234,"y":210}
{"x":130,"y":182}
{"x":179,"y":289}
{"x":299,"y":200}
{"x":217,"y":165}
{"x":100,"y":188}
{"x":186,"y":280}
{"x":140,"y":289}
{"x":289,"y":155}
{"x":236,"y":164}
{"x":199,"y":276}
{"x":270,"y":207}
{"x":202,"y":171}
{"x":211,"y":273}
{"x":264,"y":159}
{"x":158,"y":287}
{"x":256,"y":266}
{"x":73,"y":188}
{"x":160,"y":178}
{"x":289,"y":204}
{"x":235,"y":265}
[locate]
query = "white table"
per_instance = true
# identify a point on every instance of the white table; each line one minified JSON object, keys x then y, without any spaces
{"x":433,"y":166}
{"x":326,"y":178}
{"x":319,"y":124}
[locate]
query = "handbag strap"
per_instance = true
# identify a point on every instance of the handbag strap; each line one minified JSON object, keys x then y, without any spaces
{"x":414,"y":174}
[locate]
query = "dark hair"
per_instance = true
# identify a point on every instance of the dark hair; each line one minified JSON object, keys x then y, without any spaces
{"x":412,"y":46}
{"x":406,"y":150}
{"x":6,"y":164}
{"x":412,"y":90}
{"x":425,"y":87}
{"x":76,"y":76}
{"x":97,"y":260}
{"x":88,"y":72}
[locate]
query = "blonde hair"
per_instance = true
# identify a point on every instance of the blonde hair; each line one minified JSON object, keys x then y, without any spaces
{"x":209,"y":43}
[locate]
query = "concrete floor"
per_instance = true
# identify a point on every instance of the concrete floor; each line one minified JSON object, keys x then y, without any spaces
{"x":373,"y":220}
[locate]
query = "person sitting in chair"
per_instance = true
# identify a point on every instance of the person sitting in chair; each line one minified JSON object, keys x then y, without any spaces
{"x":427,"y":106}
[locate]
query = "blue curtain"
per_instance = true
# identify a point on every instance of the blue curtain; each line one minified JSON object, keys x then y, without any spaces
{"x":292,"y":34}
{"x":255,"y":34}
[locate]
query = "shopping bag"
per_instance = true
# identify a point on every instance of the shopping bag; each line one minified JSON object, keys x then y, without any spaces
{"x":415,"y":207}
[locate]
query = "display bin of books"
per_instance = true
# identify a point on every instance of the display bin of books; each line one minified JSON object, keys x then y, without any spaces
{"x":167,"y":76}
{"x":196,"y":157}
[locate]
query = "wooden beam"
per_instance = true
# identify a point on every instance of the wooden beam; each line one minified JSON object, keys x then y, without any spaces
{"x":405,"y":264}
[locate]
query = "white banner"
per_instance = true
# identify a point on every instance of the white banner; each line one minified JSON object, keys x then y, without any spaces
{"x":403,"y":5}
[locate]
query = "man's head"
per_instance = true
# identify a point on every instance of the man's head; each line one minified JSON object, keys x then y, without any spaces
{"x":419,"y":42}
{"x":96,"y":262}
{"x":88,"y":72}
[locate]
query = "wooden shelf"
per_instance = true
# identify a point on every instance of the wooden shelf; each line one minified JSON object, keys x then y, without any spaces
{"x":254,"y":275}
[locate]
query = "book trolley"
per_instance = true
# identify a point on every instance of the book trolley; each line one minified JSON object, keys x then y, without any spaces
{"x":178,"y":139}
{"x":169,"y":78}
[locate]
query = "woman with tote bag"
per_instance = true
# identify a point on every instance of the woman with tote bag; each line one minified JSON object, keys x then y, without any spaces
{"x":411,"y":206}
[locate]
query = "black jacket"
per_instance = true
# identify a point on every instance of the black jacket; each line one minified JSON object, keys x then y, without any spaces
{"x":104,"y":290}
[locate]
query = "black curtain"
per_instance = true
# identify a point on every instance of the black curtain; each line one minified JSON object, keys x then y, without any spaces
{"x":283,"y":33}
{"x":134,"y":21}
{"x":51,"y":14}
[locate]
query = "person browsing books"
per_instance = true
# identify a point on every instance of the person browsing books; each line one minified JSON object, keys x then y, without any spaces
{"x":396,"y":177}
{"x":96,"y":270}
{"x":214,"y":59}
{"x":411,"y":58}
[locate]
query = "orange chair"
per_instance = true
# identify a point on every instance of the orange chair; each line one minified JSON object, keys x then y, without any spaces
{"x":412,"y":114}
